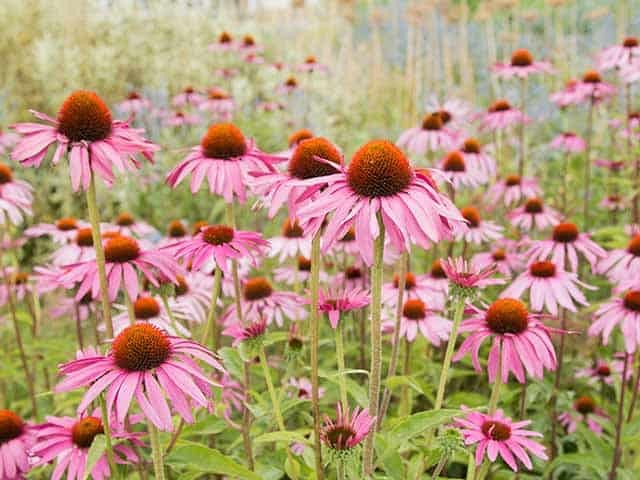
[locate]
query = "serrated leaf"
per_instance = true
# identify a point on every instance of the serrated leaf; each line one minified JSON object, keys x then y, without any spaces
{"x":418,"y":423}
{"x":288,"y":437}
{"x":208,"y":460}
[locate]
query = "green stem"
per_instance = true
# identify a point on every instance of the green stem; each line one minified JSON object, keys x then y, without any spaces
{"x":272,"y":392}
{"x":314,"y":330}
{"x":107,"y":435}
{"x":342,"y":381}
{"x":130,"y":310}
{"x":94,"y":218}
{"x":495,"y":390}
{"x":405,"y":396}
{"x":617,"y":452}
{"x":156,"y":452}
{"x":376,"y":342}
{"x":172,"y":318}
{"x":212,"y":321}
{"x":446,"y":364}
{"x":395,"y":343}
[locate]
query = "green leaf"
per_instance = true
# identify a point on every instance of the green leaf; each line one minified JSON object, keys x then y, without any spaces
{"x":97,"y":449}
{"x":208,"y":460}
{"x":418,"y":423}
{"x":580,"y":459}
{"x":288,"y":437}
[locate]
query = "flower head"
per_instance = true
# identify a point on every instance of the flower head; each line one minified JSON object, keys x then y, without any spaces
{"x":417,"y":317}
{"x":521,"y":65}
{"x":348,"y":430}
{"x":431,"y":135}
{"x":622,"y":311}
{"x":463,"y":275}
{"x":16,"y":440}
{"x":502,"y":115}
{"x":534,"y":214}
{"x":334,"y":302}
{"x":584,"y":409}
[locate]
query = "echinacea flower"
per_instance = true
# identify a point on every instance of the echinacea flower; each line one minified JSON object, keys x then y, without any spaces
{"x":149,"y":310}
{"x":291,"y":243}
{"x":62,"y":231}
{"x":498,"y":435}
{"x":146,"y":363}
{"x":289,"y":86}
{"x":585,"y":409}
{"x":261,"y":301}
{"x":68,"y":440}
{"x":613,"y":203}
{"x":253,"y":332}
{"x":455,"y":169}
{"x":620,"y":264}
{"x":348,"y":430}
{"x":16,"y":282}
{"x":503,"y":255}
{"x":430,"y":136}
{"x":549,"y":286}
{"x":220,"y":103}
{"x":520,"y":341}
{"x":224,"y":157}
{"x":568,"y":142}
{"x":415,"y":286}
{"x":224,"y":43}
{"x":619,"y":56}
{"x":353,"y":276}
{"x":80,"y":249}
{"x":502,"y":115}
{"x":592,"y":89}
{"x":301,"y":272}
{"x":129,"y":226}
{"x":16,"y":441}
{"x":7,"y":140}
{"x":179,"y":119}
{"x":124,"y":258}
{"x":313,"y":158}
{"x":464,"y":275}
{"x":453,"y":112}
{"x":134,"y":103}
{"x":569,"y":95}
{"x":513,"y":188}
{"x":479,"y":230}
{"x":16,"y":197}
{"x":477,"y":157}
{"x":191,"y":297}
{"x":567,"y":243}
{"x":380,"y":181}
{"x":521,"y":65}
{"x":86,"y":132}
{"x":534,"y":215}
{"x":294,"y":140}
{"x":417,"y":317}
{"x":248,"y":45}
{"x":218,"y":244}
{"x":302,"y":388}
{"x":335,"y":302}
{"x":603,"y":371}
{"x":189,"y":96}
{"x":622,"y":311}
{"x":311,"y":65}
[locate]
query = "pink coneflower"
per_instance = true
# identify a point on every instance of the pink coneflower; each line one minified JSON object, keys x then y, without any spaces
{"x":248,"y":45}
{"x":224,"y":43}
{"x":621,"y":55}
{"x":569,"y":95}
{"x":80,"y":249}
{"x":417,"y":317}
{"x":218,"y":102}
{"x":477,"y":158}
{"x":348,"y":430}
{"x":124,"y":258}
{"x":415,"y":286}
{"x":299,"y":273}
{"x":613,"y":203}
{"x":189,"y":96}
{"x":19,"y":284}
{"x":534,"y":215}
{"x":134,"y":103}
{"x":149,"y":310}
{"x":291,"y":243}
{"x":270,"y":107}
{"x":311,"y":64}
{"x":549,"y":286}
{"x":260,"y":300}
{"x":455,"y":170}
{"x":335,"y":302}
{"x":353,"y":276}
{"x":253,"y":332}
{"x":218,"y":244}
{"x":126,"y":224}
{"x":611,"y":165}
{"x":430,"y":136}
{"x":302,"y":388}
{"x":296,"y":137}
{"x":224,"y":157}
{"x":520,"y":341}
{"x":502,"y":115}
{"x":567,"y":243}
{"x":453,"y":112}
{"x":146,"y":363}
{"x":480,"y":230}
{"x":16,"y":441}
{"x":179,"y":118}
{"x":464,"y":275}
{"x":68,"y":440}
{"x":191,"y":297}
{"x":496,"y":434}
{"x":62,"y":231}
{"x":86,"y":132}
{"x":438,"y":277}
{"x":521,"y":65}
{"x":623,"y":311}
{"x":513,"y":188}
{"x":603,"y":371}
{"x":312,"y":158}
{"x":290,"y":85}
{"x":592,"y":88}
{"x":630,"y":73}
{"x":622,"y":263}
{"x":7,"y":140}
{"x":568,"y":142}
{"x":585,"y":409}
{"x":380,"y":181}
{"x":16,"y":197}
{"x":503,"y":255}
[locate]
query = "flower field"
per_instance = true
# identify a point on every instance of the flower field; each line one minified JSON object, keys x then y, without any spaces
{"x":328,"y":239}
